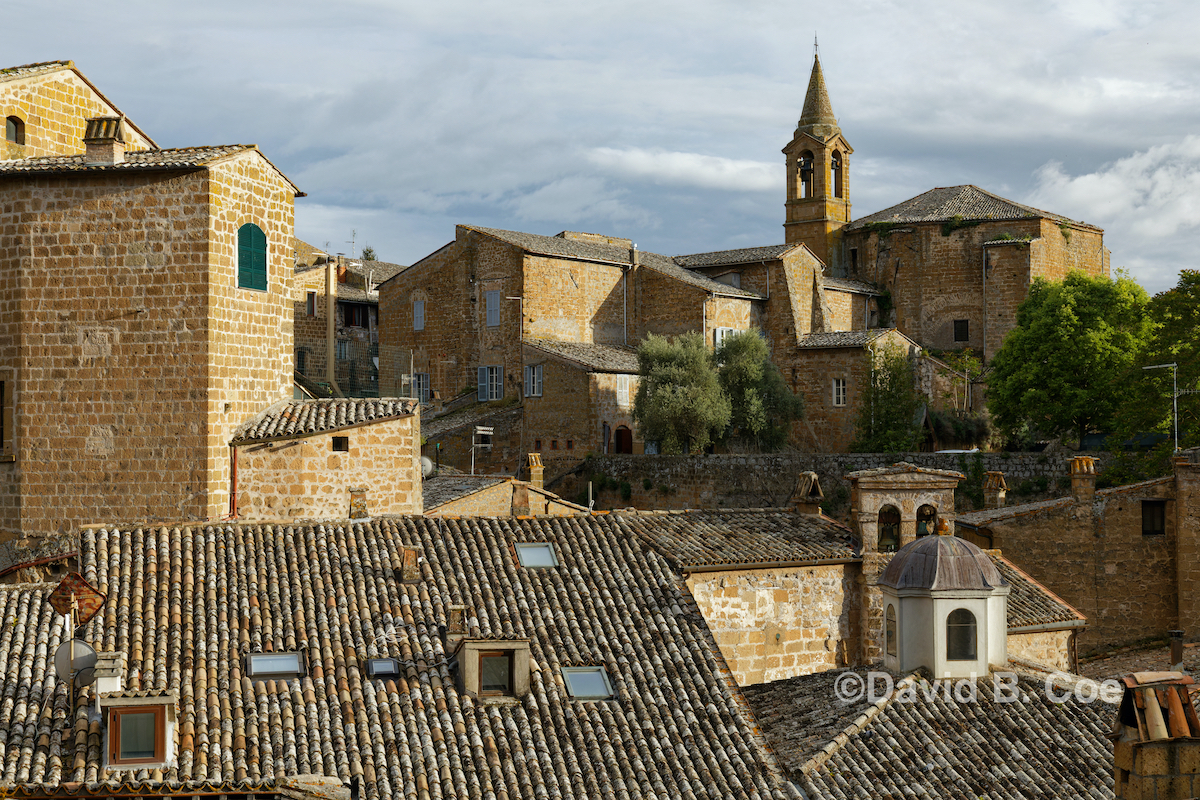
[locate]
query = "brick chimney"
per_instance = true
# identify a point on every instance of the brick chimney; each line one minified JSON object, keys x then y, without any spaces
{"x":341,"y":268}
{"x":104,"y":141}
{"x":1156,"y":751}
{"x":807,"y":496}
{"x":994,"y":490}
{"x":1083,"y":479}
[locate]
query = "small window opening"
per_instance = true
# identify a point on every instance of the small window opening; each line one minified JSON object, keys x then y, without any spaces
{"x":537,"y":445}
{"x":570,"y":444}
{"x":805,"y":177}
{"x":1154,"y":517}
{"x":587,"y":683}
{"x":14,"y":130}
{"x":962,"y":330}
{"x":961,"y":636}
{"x":137,"y":735}
{"x":926,"y":520}
{"x":891,"y":630}
{"x":889,"y":529}
{"x":495,"y":673}
{"x":536,"y":554}
{"x":310,"y":303}
{"x":418,"y":315}
{"x":839,"y":392}
{"x":853,"y":260}
{"x":554,"y":444}
{"x":341,"y":444}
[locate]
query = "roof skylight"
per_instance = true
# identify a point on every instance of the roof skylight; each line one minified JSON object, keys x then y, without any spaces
{"x":536,"y":554}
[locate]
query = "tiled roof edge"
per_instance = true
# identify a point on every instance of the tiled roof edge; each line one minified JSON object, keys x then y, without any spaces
{"x":839,"y":741}
{"x":1038,"y":584}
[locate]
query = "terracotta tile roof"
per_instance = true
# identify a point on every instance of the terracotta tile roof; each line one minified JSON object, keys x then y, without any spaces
{"x":186,"y":604}
{"x":799,"y":716}
{"x":1030,"y":604}
{"x":941,"y":749}
{"x":722,"y":539}
{"x":173,"y":158}
{"x":968,"y":202}
{"x":30,"y":70}
{"x":610,"y":254}
{"x":289,"y":419}
{"x":479,"y":414}
{"x":443,"y":488}
{"x":746,"y":255}
{"x":835,"y":339}
{"x":591,"y":357}
{"x":981,"y":519}
{"x":847,"y":285}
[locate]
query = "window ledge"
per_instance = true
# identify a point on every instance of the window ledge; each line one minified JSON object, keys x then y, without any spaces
{"x":505,"y":700}
{"x":7,"y":458}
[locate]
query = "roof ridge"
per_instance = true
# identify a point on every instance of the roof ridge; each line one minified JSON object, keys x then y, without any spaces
{"x":860,"y":722}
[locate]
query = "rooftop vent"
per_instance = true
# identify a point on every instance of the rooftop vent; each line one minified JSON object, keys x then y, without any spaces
{"x":105,"y":141}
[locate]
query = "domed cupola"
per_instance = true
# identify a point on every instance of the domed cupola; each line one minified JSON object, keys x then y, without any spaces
{"x":945,"y":608}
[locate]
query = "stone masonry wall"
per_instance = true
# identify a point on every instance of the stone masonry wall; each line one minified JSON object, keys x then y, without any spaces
{"x":494,"y":501}
{"x":250,"y":346}
{"x":307,"y":479}
{"x":55,"y":108}
{"x":309,"y":332}
{"x":1052,"y":648}
{"x":778,"y":623}
{"x":1095,"y":557}
{"x":105,"y":348}
{"x":763,"y":480}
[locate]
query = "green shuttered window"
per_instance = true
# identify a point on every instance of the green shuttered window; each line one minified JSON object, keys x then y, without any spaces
{"x":252,"y":257}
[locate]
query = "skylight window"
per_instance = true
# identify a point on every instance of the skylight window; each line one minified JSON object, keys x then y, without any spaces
{"x":274,"y":665}
{"x":383,"y":668}
{"x":587,"y":683}
{"x":536,"y":554}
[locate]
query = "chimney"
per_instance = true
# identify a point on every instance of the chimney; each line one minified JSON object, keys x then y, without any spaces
{"x":109,"y":672}
{"x":104,"y":141}
{"x":633,"y":256}
{"x":1083,"y":479}
{"x":536,"y":470}
{"x":807,"y":496}
{"x":341,"y":268}
{"x":1176,"y":649}
{"x":994,"y":490}
{"x":1155,"y":744}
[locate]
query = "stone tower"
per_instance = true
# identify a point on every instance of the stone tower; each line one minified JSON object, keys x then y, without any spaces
{"x":818,"y":176}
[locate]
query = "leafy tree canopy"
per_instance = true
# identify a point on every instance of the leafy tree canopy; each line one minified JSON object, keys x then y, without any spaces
{"x":887,"y":418}
{"x":368,"y":253}
{"x":679,"y":401}
{"x":1066,"y":365}
{"x":762,"y":406}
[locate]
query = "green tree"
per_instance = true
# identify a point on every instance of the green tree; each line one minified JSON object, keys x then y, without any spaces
{"x":1066,"y":366}
{"x":762,"y":405}
{"x":679,"y":401}
{"x":368,"y":253}
{"x":1147,"y":407}
{"x":887,"y":420}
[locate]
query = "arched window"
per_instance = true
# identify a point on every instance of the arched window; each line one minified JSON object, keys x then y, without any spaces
{"x":889,"y":529}
{"x":805,"y":176}
{"x":890,"y":630}
{"x":252,"y":257}
{"x":961,"y":636}
{"x":14,"y":130}
{"x":835,"y":168}
{"x":926,"y":520}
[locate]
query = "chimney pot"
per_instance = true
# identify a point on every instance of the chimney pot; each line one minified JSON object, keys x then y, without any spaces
{"x":1083,"y":479}
{"x":104,"y":141}
{"x":994,"y":490}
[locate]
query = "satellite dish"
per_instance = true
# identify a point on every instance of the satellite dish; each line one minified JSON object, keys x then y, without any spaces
{"x":85,"y":676}
{"x":426,"y":467}
{"x":84,"y":658}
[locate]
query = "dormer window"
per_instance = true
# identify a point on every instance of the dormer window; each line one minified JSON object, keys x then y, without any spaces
{"x":140,"y":729}
{"x":494,"y":669}
{"x":536,"y":554}
{"x":587,"y":683}
{"x":275,"y":666}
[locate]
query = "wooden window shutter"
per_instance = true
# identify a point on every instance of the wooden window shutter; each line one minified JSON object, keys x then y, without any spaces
{"x":252,"y":257}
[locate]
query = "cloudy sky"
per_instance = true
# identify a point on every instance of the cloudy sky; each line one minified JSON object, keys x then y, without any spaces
{"x":660,"y":120}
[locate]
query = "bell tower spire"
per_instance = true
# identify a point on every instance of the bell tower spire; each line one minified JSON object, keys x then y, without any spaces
{"x":818,"y":174}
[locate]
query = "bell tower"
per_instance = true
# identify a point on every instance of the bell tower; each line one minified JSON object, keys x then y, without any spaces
{"x":818,"y":175}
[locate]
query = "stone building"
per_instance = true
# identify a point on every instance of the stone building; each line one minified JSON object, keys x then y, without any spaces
{"x":355,"y":305}
{"x":147,"y":298}
{"x":1127,"y":557}
{"x":953,"y":263}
